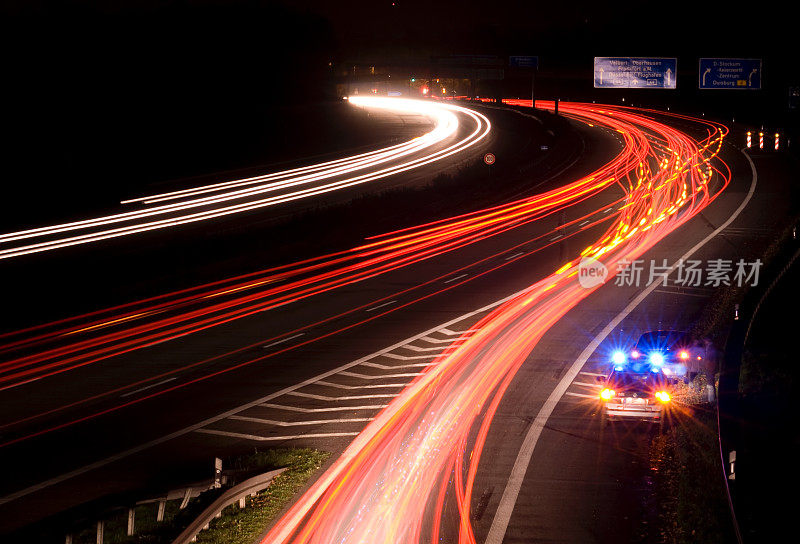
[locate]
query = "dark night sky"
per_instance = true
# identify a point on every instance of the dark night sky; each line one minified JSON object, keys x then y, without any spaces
{"x":159,"y":85}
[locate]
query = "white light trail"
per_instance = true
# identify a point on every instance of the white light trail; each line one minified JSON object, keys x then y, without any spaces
{"x":249,"y":194}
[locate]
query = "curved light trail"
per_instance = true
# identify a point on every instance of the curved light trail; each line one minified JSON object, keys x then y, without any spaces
{"x":86,"y":339}
{"x":422,"y":451}
{"x":89,"y":338}
{"x":225,"y":199}
{"x":647,"y":158}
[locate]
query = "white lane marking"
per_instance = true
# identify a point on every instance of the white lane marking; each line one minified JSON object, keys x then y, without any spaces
{"x":591,"y":373}
{"x":368,"y":377}
{"x":315,"y":410}
{"x":509,"y":498}
{"x":284,"y":340}
{"x":272,"y":438}
{"x":451,"y":280}
{"x":554,"y":238}
{"x":584,"y":223}
{"x":397,"y":367}
{"x":415,"y":348}
{"x":587,"y":384}
{"x":186,"y":430}
{"x":450,"y":332}
{"x":370,"y":386}
{"x":514,"y":255}
{"x":409,"y":357}
{"x":608,"y":210}
{"x":299,"y":423}
{"x":582,"y":395}
{"x":333,"y":399}
{"x":380,"y":306}
{"x":437,"y":340}
{"x":147,"y":387}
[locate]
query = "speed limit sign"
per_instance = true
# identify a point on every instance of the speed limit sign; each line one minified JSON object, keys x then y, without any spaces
{"x":489,"y":158}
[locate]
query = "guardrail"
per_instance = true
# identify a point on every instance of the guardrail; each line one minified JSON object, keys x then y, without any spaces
{"x":237,"y":493}
{"x":183,"y":494}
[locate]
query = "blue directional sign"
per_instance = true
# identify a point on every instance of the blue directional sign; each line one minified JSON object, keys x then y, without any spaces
{"x":523,"y":62}
{"x":730,"y":74}
{"x":635,"y":73}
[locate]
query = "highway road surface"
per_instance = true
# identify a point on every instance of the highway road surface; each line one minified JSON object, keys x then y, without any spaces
{"x":449,"y":366}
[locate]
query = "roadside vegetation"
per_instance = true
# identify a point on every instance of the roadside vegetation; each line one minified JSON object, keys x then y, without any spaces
{"x":244,"y":526}
{"x":235,"y":526}
{"x":685,"y":463}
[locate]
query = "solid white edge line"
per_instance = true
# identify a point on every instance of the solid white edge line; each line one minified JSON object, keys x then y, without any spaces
{"x":508,"y":500}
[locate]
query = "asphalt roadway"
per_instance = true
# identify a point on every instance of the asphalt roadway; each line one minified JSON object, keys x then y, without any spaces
{"x":119,"y":434}
{"x":581,"y":483}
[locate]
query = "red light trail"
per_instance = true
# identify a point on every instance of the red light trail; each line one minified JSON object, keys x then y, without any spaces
{"x":398,"y":471}
{"x":82,"y":340}
{"x":664,"y":175}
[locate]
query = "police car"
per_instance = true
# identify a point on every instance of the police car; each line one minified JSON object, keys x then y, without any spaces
{"x":671,"y":351}
{"x":635,"y":392}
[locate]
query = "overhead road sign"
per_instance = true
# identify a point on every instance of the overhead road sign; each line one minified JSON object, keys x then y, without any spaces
{"x":523,"y":62}
{"x":730,"y":74}
{"x":635,"y":72}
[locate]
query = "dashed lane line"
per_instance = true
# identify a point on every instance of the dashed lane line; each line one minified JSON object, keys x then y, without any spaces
{"x":380,"y":306}
{"x":283,"y":340}
{"x":451,"y":280}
